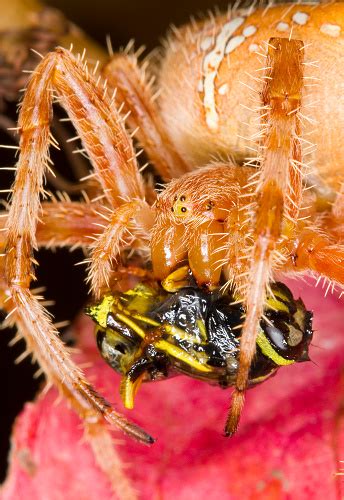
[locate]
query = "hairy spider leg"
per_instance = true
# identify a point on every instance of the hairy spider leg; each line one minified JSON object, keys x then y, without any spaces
{"x":112,"y":156}
{"x":123,"y":74}
{"x":319,"y":253}
{"x":107,"y":245}
{"x":71,"y":224}
{"x":277,"y":199}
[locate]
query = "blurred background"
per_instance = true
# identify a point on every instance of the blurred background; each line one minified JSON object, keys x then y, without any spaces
{"x":145,"y":21}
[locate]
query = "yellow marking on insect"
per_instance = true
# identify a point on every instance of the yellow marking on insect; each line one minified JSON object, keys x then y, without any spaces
{"x":141,"y":290}
{"x":277,"y":305}
{"x":295,"y":336}
{"x":299,"y":317}
{"x":259,"y":380}
{"x":143,"y":298}
{"x":180,"y":334}
{"x":145,"y":319}
{"x":202,"y":329}
{"x":131,"y":324}
{"x":281,"y":295}
{"x":176,"y":280}
{"x":181,"y":355}
{"x":128,"y":390}
{"x":100,"y":311}
{"x":270,"y":352}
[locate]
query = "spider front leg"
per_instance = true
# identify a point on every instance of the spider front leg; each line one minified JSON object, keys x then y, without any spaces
{"x":130,"y":220}
{"x":113,"y":158}
{"x":276,"y":201}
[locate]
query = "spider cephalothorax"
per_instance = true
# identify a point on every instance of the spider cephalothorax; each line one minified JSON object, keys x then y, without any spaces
{"x":247,"y":85}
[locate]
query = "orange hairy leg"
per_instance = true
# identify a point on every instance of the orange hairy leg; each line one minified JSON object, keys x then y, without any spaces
{"x":64,"y":224}
{"x":106,"y":247}
{"x":70,"y":224}
{"x":96,"y":434}
{"x":277,"y":198}
{"x":112,"y":156}
{"x":320,"y":253}
{"x":123,"y":74}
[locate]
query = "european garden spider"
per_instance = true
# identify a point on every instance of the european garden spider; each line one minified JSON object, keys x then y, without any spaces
{"x":253,"y":85}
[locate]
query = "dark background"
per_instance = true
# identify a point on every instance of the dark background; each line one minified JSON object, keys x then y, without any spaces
{"x":145,"y":21}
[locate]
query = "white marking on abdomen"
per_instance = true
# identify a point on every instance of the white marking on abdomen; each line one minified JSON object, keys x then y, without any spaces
{"x":206,"y":43}
{"x":330,"y":29}
{"x":282,"y":26}
{"x":300,"y":18}
{"x":223,"y":89}
{"x":234,"y":43}
{"x":249,"y":30}
{"x":211,"y":66}
{"x":253,"y":47}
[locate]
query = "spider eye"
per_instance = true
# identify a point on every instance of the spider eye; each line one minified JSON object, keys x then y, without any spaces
{"x":179,"y":207}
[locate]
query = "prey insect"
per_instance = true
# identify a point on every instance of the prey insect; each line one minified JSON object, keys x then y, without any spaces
{"x":247,"y":85}
{"x":146,"y":334}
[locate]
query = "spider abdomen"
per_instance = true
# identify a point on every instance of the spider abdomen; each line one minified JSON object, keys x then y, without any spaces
{"x":211,"y":79}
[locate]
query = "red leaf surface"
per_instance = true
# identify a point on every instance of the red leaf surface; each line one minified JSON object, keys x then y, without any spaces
{"x":289,"y":446}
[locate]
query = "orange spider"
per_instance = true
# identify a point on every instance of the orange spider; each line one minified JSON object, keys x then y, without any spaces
{"x":262,"y":86}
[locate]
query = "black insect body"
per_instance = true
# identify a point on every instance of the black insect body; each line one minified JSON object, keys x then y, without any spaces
{"x":147,"y":334}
